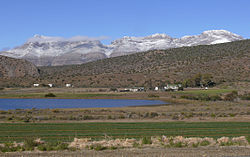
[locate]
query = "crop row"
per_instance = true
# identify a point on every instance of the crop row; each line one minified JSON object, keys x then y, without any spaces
{"x":67,"y":131}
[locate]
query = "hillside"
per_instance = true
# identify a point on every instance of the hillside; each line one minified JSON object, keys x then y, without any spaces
{"x":228,"y":62}
{"x":14,"y":68}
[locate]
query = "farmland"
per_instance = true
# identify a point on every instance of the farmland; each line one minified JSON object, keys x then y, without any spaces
{"x":211,"y":91}
{"x":67,"y":131}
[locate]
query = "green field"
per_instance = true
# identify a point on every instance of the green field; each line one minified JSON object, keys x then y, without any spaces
{"x":209,"y":91}
{"x":67,"y":131}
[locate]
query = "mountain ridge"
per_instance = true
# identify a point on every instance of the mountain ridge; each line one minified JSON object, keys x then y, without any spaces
{"x":52,"y":51}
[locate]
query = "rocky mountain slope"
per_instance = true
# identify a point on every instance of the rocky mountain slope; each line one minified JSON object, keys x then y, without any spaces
{"x":52,"y":51}
{"x":225,"y":63}
{"x":12,"y":68}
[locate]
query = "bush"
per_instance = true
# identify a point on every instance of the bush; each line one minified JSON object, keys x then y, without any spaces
{"x":53,"y":146}
{"x":9,"y":147}
{"x":97,"y":147}
{"x":153,"y":96}
{"x":30,"y":144}
{"x":153,"y":114}
{"x":180,"y":88}
{"x":215,"y":98}
{"x":87,"y":117}
{"x":50,"y":95}
{"x":231,"y":96}
{"x":204,"y":143}
{"x":146,"y":140}
{"x":179,"y":145}
{"x":42,"y":147}
{"x":245,"y":96}
{"x":195,"y":145}
{"x":113,"y":89}
{"x":202,"y":97}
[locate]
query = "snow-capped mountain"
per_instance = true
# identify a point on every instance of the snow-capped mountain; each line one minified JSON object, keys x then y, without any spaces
{"x":46,"y":51}
{"x":127,"y":45}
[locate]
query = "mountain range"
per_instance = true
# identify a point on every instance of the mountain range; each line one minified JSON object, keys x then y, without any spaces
{"x":227,"y":64}
{"x":54,"y":51}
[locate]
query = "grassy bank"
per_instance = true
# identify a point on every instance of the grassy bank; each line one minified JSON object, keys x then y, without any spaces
{"x":67,"y":131}
{"x":60,"y":95}
{"x":209,"y":91}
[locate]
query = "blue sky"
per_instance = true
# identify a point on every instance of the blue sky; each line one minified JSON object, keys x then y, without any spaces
{"x":22,"y":19}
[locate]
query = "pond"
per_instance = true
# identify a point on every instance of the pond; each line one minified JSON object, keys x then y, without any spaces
{"x":9,"y":104}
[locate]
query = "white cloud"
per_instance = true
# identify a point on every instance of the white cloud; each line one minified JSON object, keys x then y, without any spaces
{"x":41,"y":38}
{"x":80,"y":38}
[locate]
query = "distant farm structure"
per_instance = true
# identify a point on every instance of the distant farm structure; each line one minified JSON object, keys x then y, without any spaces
{"x":169,"y":87}
{"x":68,"y":85}
{"x":134,"y":89}
{"x":36,"y":85}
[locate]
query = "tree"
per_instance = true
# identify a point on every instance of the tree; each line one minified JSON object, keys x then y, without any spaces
{"x":197,"y":79}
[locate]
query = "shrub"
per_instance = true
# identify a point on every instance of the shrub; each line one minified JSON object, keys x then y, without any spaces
{"x":113,"y":89}
{"x":146,"y":140}
{"x":202,"y":97}
{"x":204,"y":143}
{"x":113,"y":147}
{"x":215,"y":98}
{"x":27,"y":118}
{"x":153,"y":96}
{"x":42,"y":147}
{"x":30,"y":144}
{"x":109,"y":117}
{"x":9,"y":147}
{"x":180,"y":88}
{"x":213,"y":115}
{"x":102,"y":90}
{"x":153,"y":114}
{"x":179,"y":145}
{"x":245,"y":96}
{"x":195,"y":145}
{"x":136,"y":145}
{"x":50,"y":95}
{"x":53,"y":146}
{"x":173,"y":96}
{"x":87,"y":117}
{"x":98,"y":147}
{"x":231,"y":96}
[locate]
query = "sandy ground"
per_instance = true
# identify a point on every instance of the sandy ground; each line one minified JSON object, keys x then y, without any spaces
{"x":145,"y":152}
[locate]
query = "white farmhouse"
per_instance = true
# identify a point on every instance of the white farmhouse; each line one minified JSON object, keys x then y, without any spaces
{"x":36,"y":85}
{"x":173,"y":87}
{"x":68,"y":85}
{"x":50,"y":85}
{"x":133,"y":89}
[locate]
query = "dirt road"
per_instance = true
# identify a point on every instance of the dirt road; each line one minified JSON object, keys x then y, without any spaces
{"x":145,"y":152}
